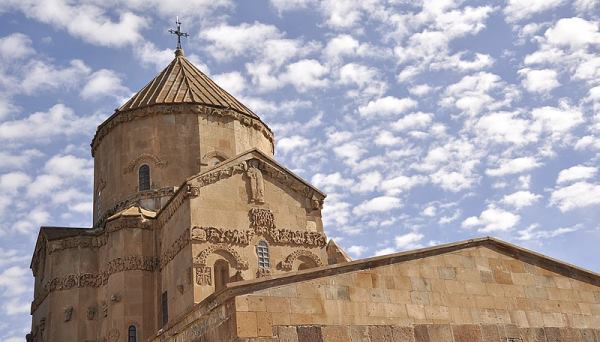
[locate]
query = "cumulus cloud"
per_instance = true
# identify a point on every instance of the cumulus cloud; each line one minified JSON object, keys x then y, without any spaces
{"x":376,"y":205}
{"x":408,"y":241}
{"x":492,"y":219}
{"x":388,"y":105}
{"x":357,"y":250}
{"x":513,"y":166}
{"x":288,"y":144}
{"x":576,"y":173}
{"x":59,"y":120}
{"x":15,"y":46}
{"x":574,"y":33}
{"x":305,"y":75}
{"x":103,"y":83}
{"x":534,"y":233}
{"x":88,"y":22}
{"x":521,"y":199}
{"x":539,"y":81}
{"x":577,"y":195}
{"x":232,"y":82}
{"x":418,"y":120}
{"x":518,"y":10}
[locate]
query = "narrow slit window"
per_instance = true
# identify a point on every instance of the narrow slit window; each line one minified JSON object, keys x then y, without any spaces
{"x":132,"y":334}
{"x":144,"y":178}
{"x":262,"y":250}
{"x":165,"y":308}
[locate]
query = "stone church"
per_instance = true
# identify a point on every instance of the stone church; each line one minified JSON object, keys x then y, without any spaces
{"x":199,"y":234}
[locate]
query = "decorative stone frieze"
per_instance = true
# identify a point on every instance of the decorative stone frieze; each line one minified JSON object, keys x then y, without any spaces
{"x":134,"y":199}
{"x":219,"y":235}
{"x":288,"y":263}
{"x":77,"y":242}
{"x":169,"y":210}
{"x":240,"y":263}
{"x":205,"y":111}
{"x":263,"y":272}
{"x":144,"y":158}
{"x":261,"y":220}
{"x":252,"y":167}
{"x":180,"y":243}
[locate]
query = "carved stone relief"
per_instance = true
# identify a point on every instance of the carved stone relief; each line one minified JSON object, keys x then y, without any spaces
{"x":91,"y":312}
{"x":261,"y":219}
{"x":68,"y":313}
{"x":104,"y":307}
{"x":115,"y":298}
{"x":144,"y":157}
{"x":180,"y":243}
{"x":218,"y":235}
{"x":203,"y":275}
{"x":240,"y":263}
{"x":257,"y":185}
{"x":263,"y":272}
{"x":288,"y":263}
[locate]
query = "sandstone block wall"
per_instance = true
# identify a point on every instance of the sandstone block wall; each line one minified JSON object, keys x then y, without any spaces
{"x":475,"y":291}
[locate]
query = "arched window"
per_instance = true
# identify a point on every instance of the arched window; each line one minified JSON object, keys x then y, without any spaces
{"x":262,"y":250}
{"x":144,"y":178}
{"x":132,"y":334}
{"x":221,"y":270}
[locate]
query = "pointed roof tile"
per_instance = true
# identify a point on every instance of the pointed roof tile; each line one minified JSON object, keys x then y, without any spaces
{"x":182,"y":82}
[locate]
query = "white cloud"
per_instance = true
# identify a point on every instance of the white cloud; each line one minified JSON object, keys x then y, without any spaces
{"x":329,"y":182}
{"x":41,"y":76}
{"x":576,"y":173}
{"x":305,"y":75}
{"x":521,"y":199}
{"x":539,"y":81}
{"x":351,"y":151}
{"x":533,"y":233}
{"x":518,"y":10}
{"x":103,"y":83}
{"x":577,"y":195}
{"x":476,"y":92}
{"x":377,"y":204}
{"x":386,"y":138}
{"x":232,"y":82}
{"x":229,"y":41}
{"x":336,"y":211}
{"x":556,"y":121}
{"x":585,"y":6}
{"x":388,"y":105}
{"x":15,"y":46}
{"x":512,"y":166}
{"x":14,"y":281}
{"x":58,"y":120}
{"x":294,"y":142}
{"x":574,"y":33}
{"x":19,"y":160}
{"x":149,"y":54}
{"x":369,"y":181}
{"x":408,"y":241}
{"x":418,"y":120}
{"x":505,"y":127}
{"x":70,"y":166}
{"x":357,"y":250}
{"x":492,"y":219}
{"x":385,"y":251}
{"x":420,"y":90}
{"x":87,"y":21}
{"x":399,"y":184}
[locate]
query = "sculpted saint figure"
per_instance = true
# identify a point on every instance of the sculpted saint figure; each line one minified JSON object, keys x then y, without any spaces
{"x":257,"y":185}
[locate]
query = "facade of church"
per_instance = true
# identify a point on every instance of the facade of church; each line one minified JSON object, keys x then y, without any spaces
{"x":200,"y":235}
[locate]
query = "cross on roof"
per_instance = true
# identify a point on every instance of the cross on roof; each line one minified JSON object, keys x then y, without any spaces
{"x":178,"y":33}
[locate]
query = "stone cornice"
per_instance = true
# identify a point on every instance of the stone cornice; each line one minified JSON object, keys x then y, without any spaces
{"x":159,"y":109}
{"x":240,"y":165}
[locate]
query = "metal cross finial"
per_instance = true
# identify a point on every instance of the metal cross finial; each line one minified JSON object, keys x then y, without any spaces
{"x":178,"y":33}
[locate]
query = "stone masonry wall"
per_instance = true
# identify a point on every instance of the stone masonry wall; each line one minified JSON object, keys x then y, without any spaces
{"x":473,"y":291}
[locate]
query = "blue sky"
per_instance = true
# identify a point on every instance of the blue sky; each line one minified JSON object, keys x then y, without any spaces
{"x":425,"y":122}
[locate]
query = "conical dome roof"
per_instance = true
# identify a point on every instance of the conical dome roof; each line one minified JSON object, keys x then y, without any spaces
{"x":182,"y":82}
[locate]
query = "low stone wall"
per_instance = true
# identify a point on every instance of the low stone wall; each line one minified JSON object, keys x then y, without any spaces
{"x":427,"y":333}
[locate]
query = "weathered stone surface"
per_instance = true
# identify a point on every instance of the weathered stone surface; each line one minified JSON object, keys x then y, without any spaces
{"x":309,"y":334}
{"x":466,"y":333}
